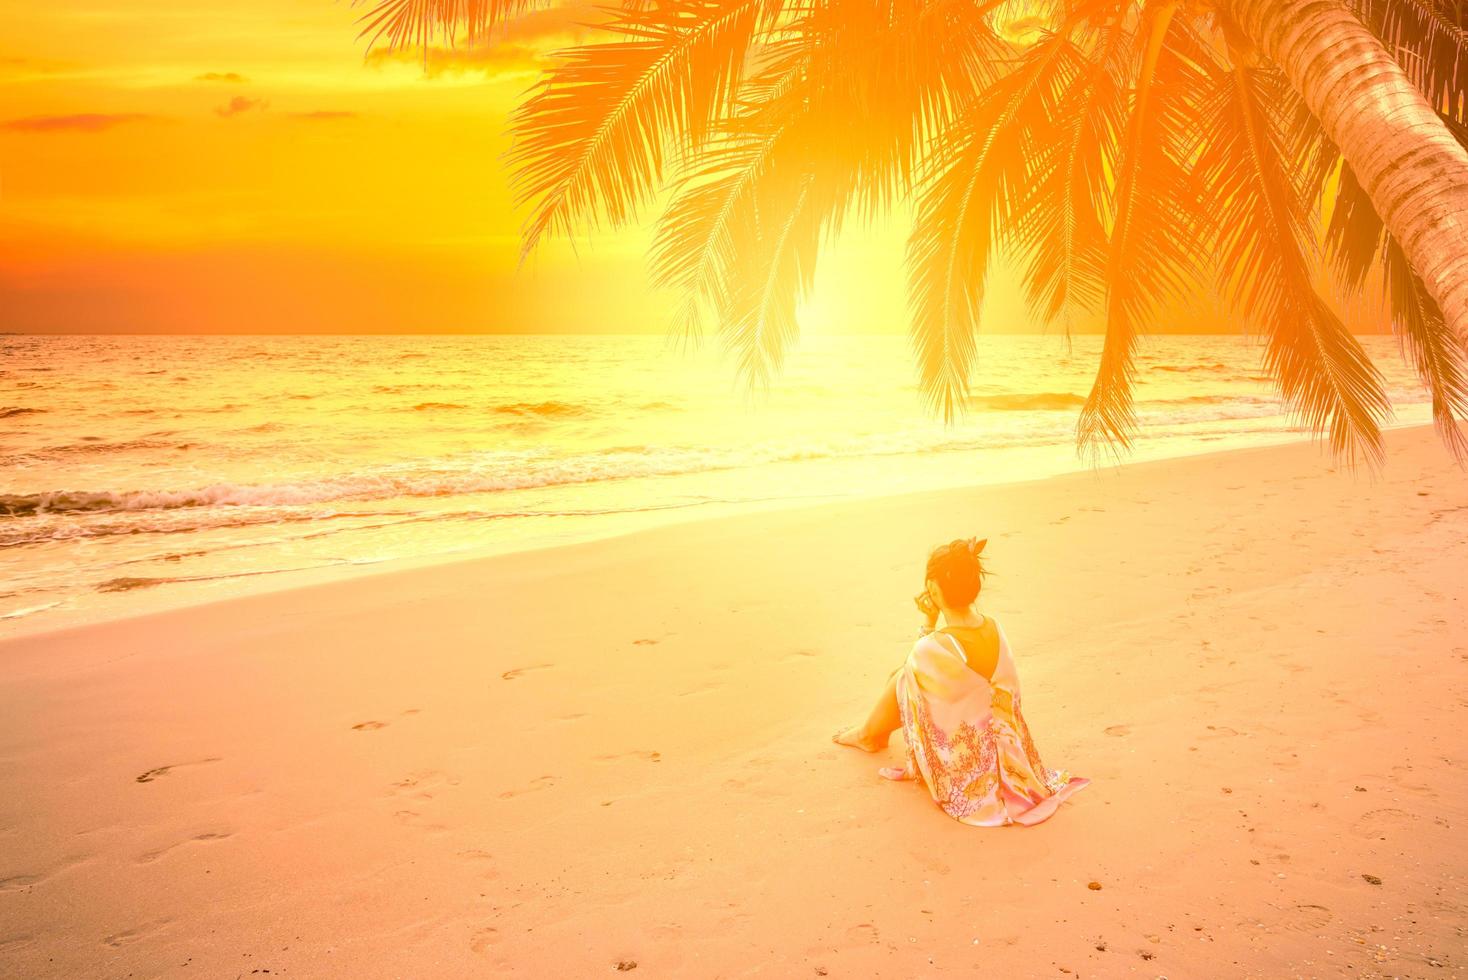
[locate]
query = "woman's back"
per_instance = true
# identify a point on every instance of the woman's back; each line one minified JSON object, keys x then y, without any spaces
{"x":980,"y":645}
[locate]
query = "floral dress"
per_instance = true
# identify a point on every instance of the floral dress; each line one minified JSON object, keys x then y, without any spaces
{"x":967,"y":739}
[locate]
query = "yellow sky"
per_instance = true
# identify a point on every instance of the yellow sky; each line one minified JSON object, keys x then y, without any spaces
{"x":192,"y":166}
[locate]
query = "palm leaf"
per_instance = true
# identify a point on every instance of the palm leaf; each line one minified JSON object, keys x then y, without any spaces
{"x":590,"y":143}
{"x":1320,"y":368}
{"x":1059,"y":220}
{"x":1432,"y":348}
{"x":977,"y":175}
{"x":1354,"y":234}
{"x":712,"y":217}
{"x":1153,"y":239}
{"x":420,"y":23}
{"x":1427,"y":39}
{"x":770,"y":280}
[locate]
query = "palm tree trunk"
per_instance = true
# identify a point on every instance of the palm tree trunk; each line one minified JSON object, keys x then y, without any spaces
{"x":1415,"y":172}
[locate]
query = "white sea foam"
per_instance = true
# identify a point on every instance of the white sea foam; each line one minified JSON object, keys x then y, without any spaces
{"x":195,"y":460}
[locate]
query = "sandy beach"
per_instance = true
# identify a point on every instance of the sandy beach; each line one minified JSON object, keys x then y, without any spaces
{"x":614,"y":756}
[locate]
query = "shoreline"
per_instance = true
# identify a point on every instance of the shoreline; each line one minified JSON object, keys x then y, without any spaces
{"x":275,"y":581}
{"x":611,"y":752}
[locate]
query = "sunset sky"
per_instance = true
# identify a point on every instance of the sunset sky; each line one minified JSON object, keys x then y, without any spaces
{"x":183,"y":166}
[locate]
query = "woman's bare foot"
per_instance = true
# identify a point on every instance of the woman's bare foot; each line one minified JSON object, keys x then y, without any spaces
{"x":857,"y":738}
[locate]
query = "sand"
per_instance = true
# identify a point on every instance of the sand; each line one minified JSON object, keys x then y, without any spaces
{"x":614,"y":755}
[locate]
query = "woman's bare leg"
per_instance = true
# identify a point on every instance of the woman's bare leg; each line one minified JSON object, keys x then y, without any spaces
{"x":873,"y":734}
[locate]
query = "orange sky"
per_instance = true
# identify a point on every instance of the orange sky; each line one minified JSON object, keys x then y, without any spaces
{"x":191,"y":166}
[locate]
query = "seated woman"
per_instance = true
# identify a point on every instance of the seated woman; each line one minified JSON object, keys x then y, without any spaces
{"x":956,"y":699}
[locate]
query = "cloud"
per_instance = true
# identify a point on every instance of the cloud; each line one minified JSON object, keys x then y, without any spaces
{"x":40,"y":66}
{"x":85,"y":122}
{"x":232,"y":77}
{"x":326,"y":115}
{"x":237,"y":105}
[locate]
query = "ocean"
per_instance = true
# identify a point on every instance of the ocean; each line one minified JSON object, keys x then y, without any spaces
{"x":139,"y":473}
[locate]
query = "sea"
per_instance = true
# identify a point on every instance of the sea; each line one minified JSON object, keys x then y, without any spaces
{"x":139,"y":473}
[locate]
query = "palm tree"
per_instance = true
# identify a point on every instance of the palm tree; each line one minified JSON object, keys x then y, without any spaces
{"x":1120,"y":148}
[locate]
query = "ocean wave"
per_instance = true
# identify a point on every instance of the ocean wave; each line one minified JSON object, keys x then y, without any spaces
{"x":93,"y":445}
{"x":16,"y":412}
{"x":1235,"y":400}
{"x":400,"y":389}
{"x":550,"y":409}
{"x":1189,"y":368}
{"x":128,"y":583}
{"x":498,"y":471}
{"x":437,"y":406}
{"x":29,"y":610}
{"x":57,"y":526}
{"x":480,"y":473}
{"x":1044,"y":401}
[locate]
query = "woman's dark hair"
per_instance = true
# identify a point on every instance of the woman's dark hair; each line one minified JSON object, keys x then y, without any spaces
{"x":959,"y":570}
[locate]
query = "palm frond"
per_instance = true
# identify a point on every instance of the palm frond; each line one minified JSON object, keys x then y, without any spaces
{"x":978,"y":172}
{"x":1428,"y":40}
{"x":591,"y":142}
{"x":1353,"y":236}
{"x":887,"y":78}
{"x":421,"y":23}
{"x":1359,"y":243}
{"x":713,"y":216}
{"x":1438,"y":355}
{"x":1153,"y":239}
{"x":1059,"y":218}
{"x":761,"y":323}
{"x":1320,"y":368}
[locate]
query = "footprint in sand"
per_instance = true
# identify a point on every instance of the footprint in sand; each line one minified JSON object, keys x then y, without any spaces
{"x":1381,"y":823}
{"x":119,"y":939}
{"x":483,"y":939}
{"x":17,"y":882}
{"x":644,"y":642}
{"x":863,"y":932}
{"x":153,"y":774}
{"x":368,"y":726}
{"x":152,"y":856}
{"x":1402,"y":777}
{"x":510,"y":675}
{"x":1306,"y":918}
{"x":1118,"y":730}
{"x":416,"y":820}
{"x":650,"y":756}
{"x":799,"y":656}
{"x":423,"y":784}
{"x":541,"y":782}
